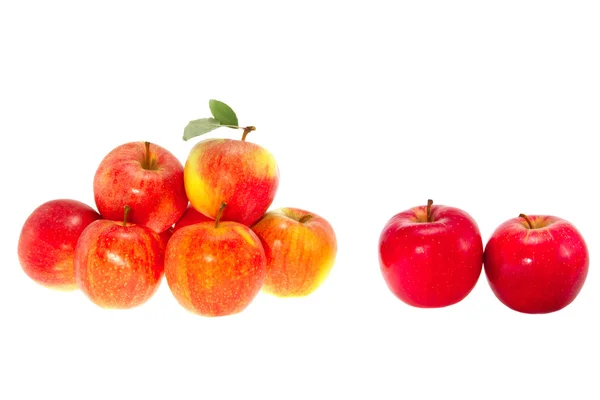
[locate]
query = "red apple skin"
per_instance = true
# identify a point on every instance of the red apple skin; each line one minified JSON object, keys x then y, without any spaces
{"x":242,"y":174}
{"x":191,"y":217}
{"x":536,"y":271}
{"x":118,"y":266}
{"x":431,"y":264}
{"x":156,"y":196}
{"x":215,"y":271}
{"x":300,"y":247}
{"x":48,"y":238}
{"x":166,"y":235}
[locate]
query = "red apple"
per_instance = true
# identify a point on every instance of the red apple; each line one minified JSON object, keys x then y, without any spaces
{"x":431,"y":256}
{"x":48,"y":238}
{"x":215,"y":268}
{"x":242,"y":174}
{"x":147,"y":178}
{"x":118,"y":264}
{"x":190,"y":217}
{"x":300,"y":247}
{"x":536,"y":264}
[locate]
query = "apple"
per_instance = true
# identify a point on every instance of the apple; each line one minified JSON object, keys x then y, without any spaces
{"x":431,"y":256}
{"x":536,"y":263}
{"x":300,"y":247}
{"x":190,"y":217}
{"x":147,"y":178}
{"x":215,"y":268}
{"x":47,"y":242}
{"x":242,"y":174}
{"x":119,"y":264}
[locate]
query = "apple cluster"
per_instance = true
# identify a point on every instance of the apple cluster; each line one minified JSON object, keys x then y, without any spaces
{"x":205,"y":226}
{"x":432,"y":256}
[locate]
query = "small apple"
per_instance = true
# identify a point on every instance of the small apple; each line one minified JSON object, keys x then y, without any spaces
{"x":118,"y":264}
{"x":431,"y":256}
{"x":300,"y":247}
{"x":242,"y":174}
{"x":215,"y":268}
{"x":48,"y":238}
{"x":536,"y":263}
{"x":147,"y":178}
{"x":190,"y":217}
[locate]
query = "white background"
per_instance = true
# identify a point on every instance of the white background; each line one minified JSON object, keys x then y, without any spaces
{"x":370,"y":108}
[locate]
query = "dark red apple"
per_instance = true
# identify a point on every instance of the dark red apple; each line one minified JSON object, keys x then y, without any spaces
{"x":537,"y":263}
{"x":48,"y":238}
{"x":431,"y":256}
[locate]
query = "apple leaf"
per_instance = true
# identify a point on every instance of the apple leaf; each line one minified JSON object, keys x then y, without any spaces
{"x":200,"y":127}
{"x":223,"y":113}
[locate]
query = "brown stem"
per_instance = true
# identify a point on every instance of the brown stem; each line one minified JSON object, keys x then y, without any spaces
{"x":305,"y":218}
{"x":527,"y":219}
{"x":220,"y":214}
{"x":429,"y":203}
{"x":125,"y":214}
{"x":147,"y":157}
{"x":247,"y":130}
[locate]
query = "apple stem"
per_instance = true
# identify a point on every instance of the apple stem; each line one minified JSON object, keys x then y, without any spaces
{"x":304,"y":219}
{"x":247,"y":130}
{"x":147,"y":156}
{"x":527,"y":219}
{"x":429,"y":203}
{"x":220,"y":214}
{"x":125,"y":214}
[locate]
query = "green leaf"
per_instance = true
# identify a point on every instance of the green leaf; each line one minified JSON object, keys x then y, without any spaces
{"x":223,"y":113}
{"x":200,"y":127}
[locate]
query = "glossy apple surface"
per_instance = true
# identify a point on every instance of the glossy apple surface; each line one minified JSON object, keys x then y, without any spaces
{"x":538,"y":266}
{"x":242,"y":174}
{"x":147,"y":178}
{"x":47,"y":241}
{"x":215,"y":271}
{"x":433,"y":263}
{"x":119,"y":265}
{"x":300,"y":247}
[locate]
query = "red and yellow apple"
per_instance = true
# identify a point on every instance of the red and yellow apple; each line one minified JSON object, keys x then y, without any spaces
{"x":118,"y":264}
{"x":300,"y":247}
{"x":536,"y":263}
{"x":147,"y":178}
{"x":215,"y":268}
{"x":431,"y":256}
{"x":48,"y":238}
{"x":242,"y":174}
